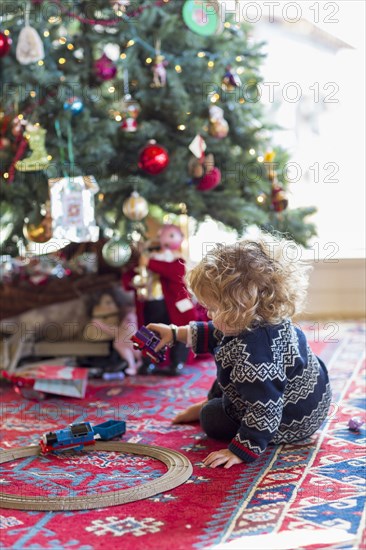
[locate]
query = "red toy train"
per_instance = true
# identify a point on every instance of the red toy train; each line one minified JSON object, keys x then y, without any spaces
{"x":146,"y":341}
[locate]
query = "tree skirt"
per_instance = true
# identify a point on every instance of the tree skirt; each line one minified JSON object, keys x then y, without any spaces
{"x":316,"y":486}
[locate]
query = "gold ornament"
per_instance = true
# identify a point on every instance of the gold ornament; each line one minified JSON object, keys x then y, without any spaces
{"x":140,"y":282}
{"x":135,"y":208}
{"x":268,"y":159}
{"x":147,"y":284}
{"x":269,"y":156}
{"x":39,"y":233}
{"x":218,"y":126}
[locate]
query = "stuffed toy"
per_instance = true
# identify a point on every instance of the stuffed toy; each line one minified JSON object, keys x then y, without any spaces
{"x":163,"y":297}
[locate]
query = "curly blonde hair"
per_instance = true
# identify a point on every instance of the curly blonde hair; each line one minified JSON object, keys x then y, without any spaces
{"x":252,"y":281}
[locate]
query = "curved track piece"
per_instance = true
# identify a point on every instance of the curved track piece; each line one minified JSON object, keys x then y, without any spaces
{"x":179,"y":470}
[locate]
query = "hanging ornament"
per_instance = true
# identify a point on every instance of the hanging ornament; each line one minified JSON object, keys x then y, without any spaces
{"x":205,"y":175}
{"x":279,"y":198}
{"x":5,"y":43}
{"x":269,"y":165}
{"x":104,"y":68}
{"x":72,"y":208}
{"x":195,"y":168}
{"x":38,"y":160}
{"x":128,"y":109}
{"x":153,"y":158}
{"x":210,"y":180}
{"x":117,"y":252}
{"x":112,"y":51}
{"x":39,"y":233}
{"x":230,"y":80}
{"x":200,"y":18}
{"x":30,"y":46}
{"x":74,"y":105}
{"x":135,"y":208}
{"x":159,"y":68}
{"x":218,"y":126}
{"x":198,"y":147}
{"x":119,"y":5}
{"x":269,"y":156}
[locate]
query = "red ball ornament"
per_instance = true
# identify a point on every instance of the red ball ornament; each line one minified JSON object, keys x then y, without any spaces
{"x":104,"y":68}
{"x":153,"y":158}
{"x":210,"y":180}
{"x":5,"y":43}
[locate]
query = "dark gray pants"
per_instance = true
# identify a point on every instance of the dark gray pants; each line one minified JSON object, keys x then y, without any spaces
{"x":155,"y":311}
{"x":215,"y":422}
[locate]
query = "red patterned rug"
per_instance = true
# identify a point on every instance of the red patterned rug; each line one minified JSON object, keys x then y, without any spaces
{"x":316,"y":486}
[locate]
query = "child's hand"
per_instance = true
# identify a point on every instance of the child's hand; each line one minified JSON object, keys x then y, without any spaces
{"x":192,"y":414}
{"x":165,"y":334}
{"x":219,"y":458}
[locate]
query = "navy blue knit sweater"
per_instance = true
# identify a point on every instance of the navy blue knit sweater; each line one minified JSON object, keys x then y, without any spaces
{"x":272,"y":384}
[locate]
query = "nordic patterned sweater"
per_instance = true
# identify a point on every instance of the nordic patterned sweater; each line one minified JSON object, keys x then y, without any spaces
{"x":272,"y":384}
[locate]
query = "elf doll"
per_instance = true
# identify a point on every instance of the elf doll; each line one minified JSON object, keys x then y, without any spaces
{"x":161,"y":293}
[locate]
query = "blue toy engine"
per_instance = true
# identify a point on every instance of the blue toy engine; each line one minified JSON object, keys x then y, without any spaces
{"x":76,"y":436}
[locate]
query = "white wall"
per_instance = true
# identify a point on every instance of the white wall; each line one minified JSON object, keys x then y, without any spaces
{"x":321,"y":132}
{"x":337,"y":290}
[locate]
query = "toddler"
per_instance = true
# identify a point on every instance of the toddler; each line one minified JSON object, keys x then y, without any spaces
{"x":270,"y":387}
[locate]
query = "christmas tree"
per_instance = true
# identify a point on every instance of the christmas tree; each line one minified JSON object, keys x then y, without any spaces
{"x":86,"y":85}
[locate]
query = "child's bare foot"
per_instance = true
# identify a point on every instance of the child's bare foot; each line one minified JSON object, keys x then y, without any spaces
{"x":192,"y":414}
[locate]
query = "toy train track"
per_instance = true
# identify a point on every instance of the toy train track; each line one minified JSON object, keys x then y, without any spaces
{"x":179,"y":470}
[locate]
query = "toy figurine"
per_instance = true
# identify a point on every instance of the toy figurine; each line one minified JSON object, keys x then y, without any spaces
{"x":113,"y":317}
{"x":230,"y":80}
{"x":159,"y":72}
